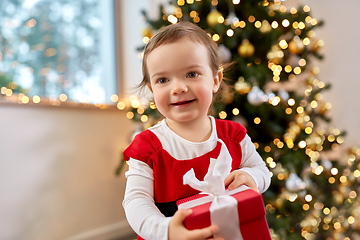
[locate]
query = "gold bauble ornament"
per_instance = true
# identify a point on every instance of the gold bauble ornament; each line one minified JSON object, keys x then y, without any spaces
{"x":146,"y":32}
{"x":275,"y":54}
{"x":315,"y":46}
{"x":242,"y":87}
{"x":324,"y":108}
{"x":213,"y":17}
{"x":265,"y":27}
{"x":296,"y":46}
{"x":246,"y":49}
{"x":310,"y":81}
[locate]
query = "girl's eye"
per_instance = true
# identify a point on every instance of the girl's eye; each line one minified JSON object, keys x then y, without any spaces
{"x":162,"y":80}
{"x":192,"y":74}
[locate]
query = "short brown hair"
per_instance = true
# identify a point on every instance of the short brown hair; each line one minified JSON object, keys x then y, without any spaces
{"x":176,"y":32}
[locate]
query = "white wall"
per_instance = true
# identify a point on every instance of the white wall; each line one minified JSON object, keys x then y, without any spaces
{"x":57,"y":172}
{"x":57,"y":164}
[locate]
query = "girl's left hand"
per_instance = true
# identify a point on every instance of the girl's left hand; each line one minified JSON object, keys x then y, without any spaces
{"x":237,"y":178}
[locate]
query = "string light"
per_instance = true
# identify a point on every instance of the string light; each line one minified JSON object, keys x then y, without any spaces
{"x":130,"y":115}
{"x":36,"y":99}
{"x":357,"y":173}
{"x":302,"y":144}
{"x":274,"y":24}
{"x":275,"y":101}
{"x":351,"y":220}
{"x":63,"y":97}
{"x":140,"y":110}
{"x":285,"y":23}
{"x":301,"y":25}
{"x":31,"y":23}
{"x":114,"y":98}
{"x":8,"y":92}
{"x":292,"y":197}
{"x":135,"y":103}
{"x":283,"y":44}
{"x":281,"y":176}
{"x":251,"y":19}
{"x":306,"y":8}
{"x":334,"y":171}
{"x":172,"y":19}
{"x":236,"y":111}
{"x":331,"y":180}
{"x":25,"y":99}
{"x":193,"y":14}
{"x":152,"y":105}
{"x":267,"y":149}
{"x":306,"y":41}
{"x":343,"y":179}
{"x":293,"y":10}
{"x":306,"y":207}
{"x":121,"y":105}
{"x":144,"y":118}
{"x":146,"y":40}
{"x":216,"y":37}
{"x":230,"y":32}
{"x":222,"y":115}
{"x":221,"y":19}
{"x":297,"y":70}
{"x":257,"y":24}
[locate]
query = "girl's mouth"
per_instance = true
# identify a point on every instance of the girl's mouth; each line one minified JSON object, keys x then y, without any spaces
{"x":182,"y":103}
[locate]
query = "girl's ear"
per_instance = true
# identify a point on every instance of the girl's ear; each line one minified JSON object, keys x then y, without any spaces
{"x":217,"y":80}
{"x":149,"y":86}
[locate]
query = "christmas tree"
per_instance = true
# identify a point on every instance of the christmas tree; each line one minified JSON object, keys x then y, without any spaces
{"x":277,"y":96}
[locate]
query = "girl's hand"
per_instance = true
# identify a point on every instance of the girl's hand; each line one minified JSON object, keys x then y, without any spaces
{"x":177,"y":230}
{"x":238,"y":178}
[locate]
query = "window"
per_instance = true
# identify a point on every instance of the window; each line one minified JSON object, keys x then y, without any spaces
{"x":62,"y":50}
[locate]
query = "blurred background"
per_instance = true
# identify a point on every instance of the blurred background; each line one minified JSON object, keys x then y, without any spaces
{"x":67,"y":72}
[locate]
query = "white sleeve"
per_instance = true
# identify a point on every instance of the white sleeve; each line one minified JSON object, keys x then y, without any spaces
{"x":253,"y":164}
{"x":142,"y":214}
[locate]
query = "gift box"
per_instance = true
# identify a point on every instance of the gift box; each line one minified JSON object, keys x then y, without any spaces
{"x":242,"y":218}
{"x":239,"y":214}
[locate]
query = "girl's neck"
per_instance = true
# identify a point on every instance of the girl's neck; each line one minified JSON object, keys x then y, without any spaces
{"x":194,"y":131}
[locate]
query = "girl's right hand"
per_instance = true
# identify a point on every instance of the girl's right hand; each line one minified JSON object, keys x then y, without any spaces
{"x":177,"y":230}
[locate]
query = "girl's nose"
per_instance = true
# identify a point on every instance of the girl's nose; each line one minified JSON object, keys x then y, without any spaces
{"x":179,"y":87}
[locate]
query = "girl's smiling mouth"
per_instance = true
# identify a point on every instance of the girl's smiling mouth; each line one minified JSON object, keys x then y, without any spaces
{"x":182,"y":103}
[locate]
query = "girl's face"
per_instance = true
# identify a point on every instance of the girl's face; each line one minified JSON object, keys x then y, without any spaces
{"x":182,"y":80}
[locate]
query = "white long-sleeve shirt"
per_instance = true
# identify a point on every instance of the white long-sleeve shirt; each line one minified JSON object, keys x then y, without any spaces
{"x":139,"y":204}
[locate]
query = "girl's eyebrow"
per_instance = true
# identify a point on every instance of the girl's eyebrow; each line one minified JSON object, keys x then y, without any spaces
{"x":158,"y":74}
{"x":192,"y":66}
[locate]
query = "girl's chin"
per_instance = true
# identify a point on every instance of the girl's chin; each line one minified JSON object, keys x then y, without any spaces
{"x":187,"y":118}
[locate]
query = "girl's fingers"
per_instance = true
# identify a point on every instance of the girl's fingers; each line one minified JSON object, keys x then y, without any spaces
{"x":238,"y":178}
{"x":204,"y":233}
{"x":238,"y":181}
{"x":180,"y":215}
{"x":229,"y":179}
{"x":198,"y":234}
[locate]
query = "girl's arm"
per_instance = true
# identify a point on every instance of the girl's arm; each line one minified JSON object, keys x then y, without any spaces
{"x":142,"y":214}
{"x":145,"y":218}
{"x":252,"y":170}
